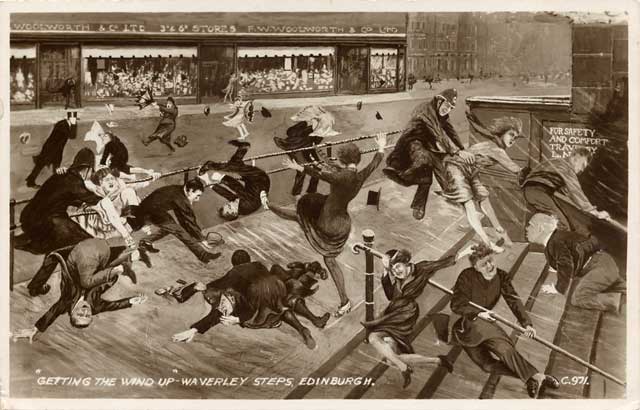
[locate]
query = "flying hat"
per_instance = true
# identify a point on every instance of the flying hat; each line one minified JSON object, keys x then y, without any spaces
{"x":25,"y":137}
{"x":207,"y":110}
{"x":85,"y":158}
{"x":450,"y":95}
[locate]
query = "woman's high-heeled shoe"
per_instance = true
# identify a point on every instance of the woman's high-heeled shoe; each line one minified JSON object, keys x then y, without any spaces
{"x":343,"y":310}
{"x":406,"y":375}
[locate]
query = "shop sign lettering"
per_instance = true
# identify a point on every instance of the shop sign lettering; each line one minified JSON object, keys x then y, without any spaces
{"x":206,"y":28}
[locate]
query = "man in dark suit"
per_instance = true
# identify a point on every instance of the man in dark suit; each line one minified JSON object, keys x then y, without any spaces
{"x":45,"y":222}
{"x":419,"y":153}
{"x":253,"y":297}
{"x":53,"y":147}
{"x":155,"y":208}
{"x":574,"y":255}
{"x":87,"y":273}
{"x":243,"y":194}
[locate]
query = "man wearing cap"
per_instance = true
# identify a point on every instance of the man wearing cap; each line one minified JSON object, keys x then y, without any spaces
{"x":45,"y":221}
{"x":53,"y":147}
{"x":422,"y":147}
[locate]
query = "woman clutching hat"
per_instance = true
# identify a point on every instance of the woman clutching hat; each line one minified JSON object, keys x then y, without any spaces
{"x":325,"y":219}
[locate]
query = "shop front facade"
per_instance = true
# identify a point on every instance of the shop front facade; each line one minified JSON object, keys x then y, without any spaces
{"x":96,"y":58}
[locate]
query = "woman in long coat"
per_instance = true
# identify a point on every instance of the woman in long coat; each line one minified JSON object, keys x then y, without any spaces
{"x":168,"y":115}
{"x":390,"y":333}
{"x":325,"y":219}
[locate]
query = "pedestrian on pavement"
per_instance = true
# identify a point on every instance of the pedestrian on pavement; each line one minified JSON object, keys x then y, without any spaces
{"x":325,"y":219}
{"x":243,"y":193}
{"x":89,"y":270}
{"x":155,"y":208}
{"x":69,"y":92}
{"x":579,"y":257}
{"x":486,"y":343}
{"x":390,"y":333}
{"x":47,"y":226}
{"x":251,"y":296}
{"x":559,"y":175}
{"x":422,"y":147}
{"x":314,"y":123}
{"x":53,"y":147}
{"x":166,"y":126}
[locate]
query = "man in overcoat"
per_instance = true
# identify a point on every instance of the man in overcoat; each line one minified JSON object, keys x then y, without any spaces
{"x":422,"y":147}
{"x":46,"y":225}
{"x":53,"y":147}
{"x":87,"y":273}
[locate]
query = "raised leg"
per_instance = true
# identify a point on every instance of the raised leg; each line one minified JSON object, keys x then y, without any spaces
{"x":301,"y":309}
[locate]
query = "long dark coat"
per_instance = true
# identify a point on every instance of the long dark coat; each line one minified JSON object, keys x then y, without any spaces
{"x":45,"y":221}
{"x":400,"y":316}
{"x":435,"y":133}
{"x":53,"y":147}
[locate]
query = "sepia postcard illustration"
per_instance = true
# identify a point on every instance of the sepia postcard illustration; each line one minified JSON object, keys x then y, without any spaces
{"x":215,"y":202}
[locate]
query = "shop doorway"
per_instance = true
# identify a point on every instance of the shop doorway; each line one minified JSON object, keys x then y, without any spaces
{"x":60,"y":75}
{"x":216,"y":69}
{"x":352,"y":70}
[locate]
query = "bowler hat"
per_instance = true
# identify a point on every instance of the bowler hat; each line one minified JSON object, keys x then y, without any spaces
{"x":450,"y":95}
{"x":85,"y":158}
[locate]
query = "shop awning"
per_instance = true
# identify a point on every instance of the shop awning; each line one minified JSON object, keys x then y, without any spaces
{"x":384,"y":51}
{"x":18,"y":51}
{"x":130,"y":52}
{"x":284,"y":51}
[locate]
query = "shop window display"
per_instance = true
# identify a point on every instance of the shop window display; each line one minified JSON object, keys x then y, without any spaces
{"x":383,"y":68}
{"x":59,"y":66}
{"x":112,"y":73}
{"x":22,"y":71}
{"x":273,"y":70}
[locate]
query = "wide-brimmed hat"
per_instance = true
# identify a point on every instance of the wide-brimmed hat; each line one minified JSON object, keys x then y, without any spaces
{"x":85,"y":158}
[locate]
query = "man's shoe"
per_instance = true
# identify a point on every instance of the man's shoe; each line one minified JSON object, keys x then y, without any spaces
{"x":239,"y":143}
{"x":320,"y":324}
{"x":130,"y":273}
{"x":444,"y":362}
{"x":144,"y":257}
{"x":32,"y":184}
{"x":406,"y":375}
{"x":308,"y":339}
{"x":42,"y":290}
{"x":147,"y":246}
{"x":418,"y":213}
{"x":551,"y":381}
{"x":533,"y":388}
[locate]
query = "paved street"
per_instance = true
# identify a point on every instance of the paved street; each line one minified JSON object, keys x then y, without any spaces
{"x":208,"y":137}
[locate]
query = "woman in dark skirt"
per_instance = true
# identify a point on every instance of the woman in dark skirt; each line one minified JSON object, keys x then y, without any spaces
{"x":168,"y":115}
{"x":403,"y":282}
{"x":325,"y":219}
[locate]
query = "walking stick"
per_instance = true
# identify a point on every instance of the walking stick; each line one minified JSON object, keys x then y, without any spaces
{"x":359,"y":246}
